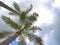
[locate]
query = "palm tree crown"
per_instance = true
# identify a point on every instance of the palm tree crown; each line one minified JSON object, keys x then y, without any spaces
{"x":25,"y":23}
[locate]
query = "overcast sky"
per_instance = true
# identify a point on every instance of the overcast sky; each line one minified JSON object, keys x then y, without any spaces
{"x":48,"y":19}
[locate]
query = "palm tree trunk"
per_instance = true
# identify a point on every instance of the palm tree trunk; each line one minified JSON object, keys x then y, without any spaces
{"x":10,"y":39}
{"x":9,"y":8}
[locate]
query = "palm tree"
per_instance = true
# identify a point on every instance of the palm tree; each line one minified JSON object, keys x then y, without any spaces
{"x":24,"y":28}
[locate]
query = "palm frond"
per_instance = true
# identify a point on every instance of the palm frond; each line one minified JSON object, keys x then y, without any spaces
{"x":22,"y":42}
{"x":23,"y":16}
{"x":27,"y":25}
{"x":38,"y":40}
{"x":32,"y":37}
{"x":16,"y":6}
{"x":29,"y":9}
{"x":27,"y":34}
{"x":34,"y":28}
{"x":11,"y":23}
{"x":20,"y":37}
{"x":32,"y":18}
{"x":5,"y":34}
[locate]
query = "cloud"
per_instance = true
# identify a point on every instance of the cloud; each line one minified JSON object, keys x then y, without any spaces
{"x":52,"y":38}
{"x":49,"y":39}
{"x":56,"y":3}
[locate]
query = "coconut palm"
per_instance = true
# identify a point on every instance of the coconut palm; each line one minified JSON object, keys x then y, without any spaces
{"x":24,"y":29}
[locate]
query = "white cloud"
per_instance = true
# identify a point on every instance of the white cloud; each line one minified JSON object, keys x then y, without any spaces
{"x":48,"y":38}
{"x":56,"y":3}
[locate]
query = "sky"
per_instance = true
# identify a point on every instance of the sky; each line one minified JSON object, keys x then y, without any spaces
{"x":48,"y":19}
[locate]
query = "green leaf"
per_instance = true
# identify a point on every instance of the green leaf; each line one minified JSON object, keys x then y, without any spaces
{"x":34,"y":28}
{"x":35,"y":14}
{"x":38,"y":40}
{"x":11,"y":23}
{"x":16,"y":6}
{"x":32,"y":37}
{"x":20,"y":37}
{"x":28,"y":35}
{"x":29,"y":9}
{"x":23,"y":16}
{"x":27,"y":25}
{"x":32,"y":18}
{"x":5,"y":34}
{"x":23,"y":42}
